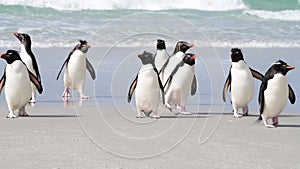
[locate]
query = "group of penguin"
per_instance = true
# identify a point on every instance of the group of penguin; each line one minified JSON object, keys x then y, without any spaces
{"x":21,"y":76}
{"x":274,"y":90}
{"x":170,"y":77}
{"x":173,"y":78}
{"x":162,"y":78}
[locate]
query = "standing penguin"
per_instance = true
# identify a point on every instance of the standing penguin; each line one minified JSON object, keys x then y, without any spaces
{"x":241,"y":83}
{"x":177,"y":57}
{"x":181,"y":82}
{"x":16,"y":81}
{"x":175,"y":60}
{"x":162,"y":57}
{"x":274,"y":92}
{"x":148,"y":87}
{"x":76,"y":65}
{"x":28,"y":58}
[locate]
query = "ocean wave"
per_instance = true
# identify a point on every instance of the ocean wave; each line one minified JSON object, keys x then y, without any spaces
{"x":286,"y":15}
{"x":151,"y":44}
{"x":205,"y":5}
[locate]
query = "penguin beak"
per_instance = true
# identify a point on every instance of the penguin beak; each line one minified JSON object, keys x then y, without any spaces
{"x":191,"y":45}
{"x":2,"y":55}
{"x":290,"y":67}
{"x":17,"y":35}
{"x":193,"y":57}
{"x":88,"y":46}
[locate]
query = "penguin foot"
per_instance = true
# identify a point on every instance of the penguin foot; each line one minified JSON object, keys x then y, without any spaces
{"x":140,"y":114}
{"x":185,"y":113}
{"x":270,"y":126}
{"x":66,"y":99}
{"x":245,"y":110}
{"x":155,"y":116}
{"x":275,"y":121}
{"x":237,"y":115}
{"x":66,"y":93}
{"x":85,"y":97}
{"x":245,"y":114}
{"x":11,"y":116}
{"x":23,"y":114}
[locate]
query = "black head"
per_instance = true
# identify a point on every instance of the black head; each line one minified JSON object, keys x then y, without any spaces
{"x":83,"y":46}
{"x":236,"y":55}
{"x":160,"y":45}
{"x":281,"y":67}
{"x":10,"y":56}
{"x":23,"y":38}
{"x":189,"y":59}
{"x":146,"y":58}
{"x":182,"y":46}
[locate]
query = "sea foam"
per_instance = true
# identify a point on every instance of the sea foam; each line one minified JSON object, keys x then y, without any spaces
{"x":206,"y":5}
{"x":285,"y":15}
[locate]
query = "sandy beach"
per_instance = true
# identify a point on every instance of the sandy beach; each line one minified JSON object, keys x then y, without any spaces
{"x":103,"y":132}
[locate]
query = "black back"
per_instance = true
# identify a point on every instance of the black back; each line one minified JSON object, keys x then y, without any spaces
{"x":26,"y":41}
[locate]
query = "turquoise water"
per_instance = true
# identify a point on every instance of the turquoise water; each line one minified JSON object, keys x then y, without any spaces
{"x":247,"y":23}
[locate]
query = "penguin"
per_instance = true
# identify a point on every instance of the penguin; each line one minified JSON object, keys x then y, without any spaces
{"x":182,"y":82}
{"x":241,"y":83}
{"x":274,"y":92}
{"x":76,"y":65}
{"x":175,"y":60}
{"x":161,"y":58}
{"x":29,"y":59}
{"x":17,"y":80}
{"x":177,"y":57}
{"x":148,"y":88}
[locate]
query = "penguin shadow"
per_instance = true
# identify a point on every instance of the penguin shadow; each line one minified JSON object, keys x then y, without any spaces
{"x":288,"y":125}
{"x":52,"y":116}
{"x":180,"y":116}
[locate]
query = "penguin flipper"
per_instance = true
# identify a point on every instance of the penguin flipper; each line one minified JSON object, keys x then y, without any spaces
{"x":194,"y":86}
{"x":226,"y":86}
{"x":62,"y":67}
{"x":91,"y":70}
{"x":35,"y":66}
{"x":132,"y":88}
{"x":2,"y":81}
{"x":256,"y":74}
{"x":261,"y":97}
{"x":36,"y":82}
{"x":292,"y":96}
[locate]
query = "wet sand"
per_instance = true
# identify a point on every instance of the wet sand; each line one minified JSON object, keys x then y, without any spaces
{"x":104,"y":133}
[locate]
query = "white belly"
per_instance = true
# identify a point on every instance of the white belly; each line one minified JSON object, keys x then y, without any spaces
{"x":74,"y":76}
{"x":174,"y":60}
{"x":147,"y":92}
{"x":242,"y":85}
{"x":179,"y":89}
{"x":28,"y":62}
{"x":161,"y":58}
{"x":276,"y":96}
{"x":17,"y":85}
